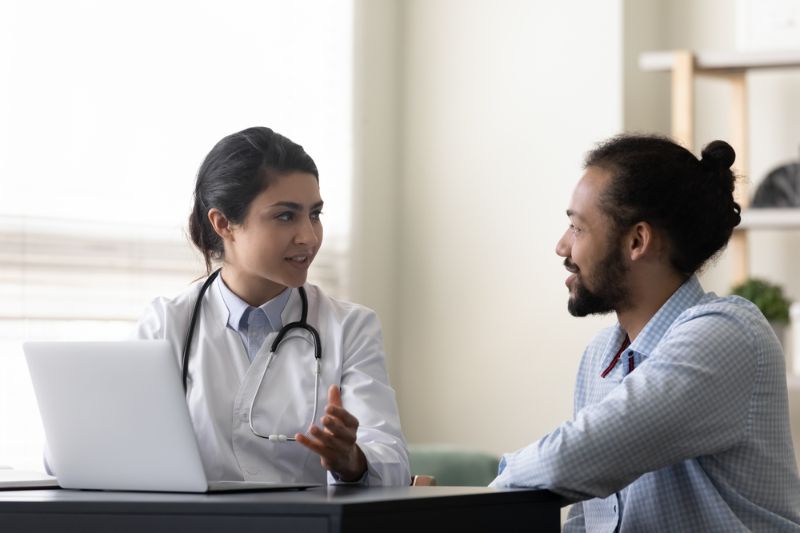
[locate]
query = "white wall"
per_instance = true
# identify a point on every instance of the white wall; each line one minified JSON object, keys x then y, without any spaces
{"x":498,"y":103}
{"x":374,"y":249}
{"x":646,"y":95}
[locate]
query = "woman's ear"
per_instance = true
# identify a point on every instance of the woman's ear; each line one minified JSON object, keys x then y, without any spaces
{"x":220,"y":223}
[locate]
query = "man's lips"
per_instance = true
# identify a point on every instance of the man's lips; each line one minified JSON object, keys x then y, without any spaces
{"x":570,"y":266}
{"x":573,"y":269}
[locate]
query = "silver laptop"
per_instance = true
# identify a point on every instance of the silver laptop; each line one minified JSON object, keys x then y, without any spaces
{"x":115,"y":418}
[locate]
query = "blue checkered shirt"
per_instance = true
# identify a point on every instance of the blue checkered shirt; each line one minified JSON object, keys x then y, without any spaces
{"x":695,"y":438}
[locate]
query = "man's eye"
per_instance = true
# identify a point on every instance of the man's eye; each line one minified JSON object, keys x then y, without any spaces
{"x":574,"y":229}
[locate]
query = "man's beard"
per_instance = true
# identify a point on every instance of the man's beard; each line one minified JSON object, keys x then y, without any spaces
{"x":610,"y":292}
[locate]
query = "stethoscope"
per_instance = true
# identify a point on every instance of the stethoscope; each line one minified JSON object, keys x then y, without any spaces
{"x":300,"y":324}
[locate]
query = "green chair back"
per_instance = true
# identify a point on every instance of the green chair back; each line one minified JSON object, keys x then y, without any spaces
{"x":451,"y":465}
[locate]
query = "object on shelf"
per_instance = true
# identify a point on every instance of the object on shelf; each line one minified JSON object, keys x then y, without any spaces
{"x":780,"y":188}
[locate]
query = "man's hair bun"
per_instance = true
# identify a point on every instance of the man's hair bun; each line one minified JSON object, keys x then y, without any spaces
{"x":718,"y":155}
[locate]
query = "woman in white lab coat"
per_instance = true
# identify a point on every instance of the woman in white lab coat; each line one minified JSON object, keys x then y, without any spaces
{"x":257,"y":210}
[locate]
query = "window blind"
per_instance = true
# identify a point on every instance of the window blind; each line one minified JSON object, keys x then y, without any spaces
{"x":57,"y":270}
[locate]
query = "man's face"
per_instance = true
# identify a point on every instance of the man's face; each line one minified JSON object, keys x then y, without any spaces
{"x":592,"y":251}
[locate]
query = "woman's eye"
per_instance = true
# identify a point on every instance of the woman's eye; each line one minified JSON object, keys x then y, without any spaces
{"x":286,"y":217}
{"x":574,"y":229}
{"x":316,"y":215}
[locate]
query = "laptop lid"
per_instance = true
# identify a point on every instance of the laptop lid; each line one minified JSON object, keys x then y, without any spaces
{"x":115,"y":416}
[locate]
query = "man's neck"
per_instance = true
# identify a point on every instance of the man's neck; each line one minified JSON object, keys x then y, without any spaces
{"x":646,"y":298}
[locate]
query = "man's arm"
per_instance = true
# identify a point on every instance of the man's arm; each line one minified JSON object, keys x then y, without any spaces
{"x":690,"y":397}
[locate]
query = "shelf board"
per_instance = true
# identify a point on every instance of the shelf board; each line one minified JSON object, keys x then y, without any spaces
{"x":770,"y":218}
{"x":723,"y":61}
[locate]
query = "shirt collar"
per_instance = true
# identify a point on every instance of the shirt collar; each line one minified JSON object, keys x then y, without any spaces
{"x":682,"y":299}
{"x":685,"y":297}
{"x":274,"y":308}
{"x":238,"y":309}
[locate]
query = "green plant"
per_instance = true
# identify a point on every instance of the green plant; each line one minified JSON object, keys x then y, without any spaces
{"x":768,"y":297}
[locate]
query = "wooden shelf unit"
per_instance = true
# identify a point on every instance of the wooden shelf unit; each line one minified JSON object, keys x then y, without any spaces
{"x":685,"y":66}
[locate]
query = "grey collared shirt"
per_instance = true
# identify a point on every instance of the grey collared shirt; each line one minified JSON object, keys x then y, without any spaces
{"x":253,"y":324}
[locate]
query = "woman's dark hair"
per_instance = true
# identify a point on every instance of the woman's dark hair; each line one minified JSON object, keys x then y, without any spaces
{"x":234,"y":172}
{"x":658,"y":181}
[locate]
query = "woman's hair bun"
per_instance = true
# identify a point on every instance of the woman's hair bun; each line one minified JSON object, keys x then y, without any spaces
{"x":718,"y":155}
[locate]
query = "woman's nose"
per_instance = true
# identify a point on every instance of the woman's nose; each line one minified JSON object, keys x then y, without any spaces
{"x":307,"y":234}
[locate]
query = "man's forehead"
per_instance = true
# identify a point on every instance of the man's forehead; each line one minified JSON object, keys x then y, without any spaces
{"x":585,"y":201}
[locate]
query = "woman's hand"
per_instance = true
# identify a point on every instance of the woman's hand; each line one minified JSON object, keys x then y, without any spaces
{"x":335,"y":441}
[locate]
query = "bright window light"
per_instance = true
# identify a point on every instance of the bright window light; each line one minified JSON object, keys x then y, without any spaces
{"x":106,"y":112}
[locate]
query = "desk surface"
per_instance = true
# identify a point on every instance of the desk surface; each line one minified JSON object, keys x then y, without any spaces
{"x":328,"y":509}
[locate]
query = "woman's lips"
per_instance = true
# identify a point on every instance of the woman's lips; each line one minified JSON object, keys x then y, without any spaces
{"x":300,"y":262}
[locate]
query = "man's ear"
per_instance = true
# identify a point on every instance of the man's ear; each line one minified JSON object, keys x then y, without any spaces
{"x":641,"y":241}
{"x":220,"y":223}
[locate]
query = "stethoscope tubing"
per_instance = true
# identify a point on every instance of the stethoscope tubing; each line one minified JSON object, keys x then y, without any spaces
{"x":187,"y":343}
{"x":273,"y":436}
{"x":279,"y":338}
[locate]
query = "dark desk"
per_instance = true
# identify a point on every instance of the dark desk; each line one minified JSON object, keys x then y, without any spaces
{"x":334,"y":509}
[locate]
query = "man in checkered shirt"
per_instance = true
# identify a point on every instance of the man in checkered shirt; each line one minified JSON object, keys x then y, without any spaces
{"x":681,"y":413}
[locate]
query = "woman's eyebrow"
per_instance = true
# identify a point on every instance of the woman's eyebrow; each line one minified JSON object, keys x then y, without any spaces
{"x":294,"y":205}
{"x":288,"y":205}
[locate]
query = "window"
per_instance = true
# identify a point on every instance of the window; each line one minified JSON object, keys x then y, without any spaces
{"x":106,"y":112}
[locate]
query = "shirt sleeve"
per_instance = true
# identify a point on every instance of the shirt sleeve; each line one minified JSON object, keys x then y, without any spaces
{"x":367,"y":395}
{"x":334,"y":479}
{"x":575,"y":522}
{"x":689,"y":398}
{"x":503,"y":478}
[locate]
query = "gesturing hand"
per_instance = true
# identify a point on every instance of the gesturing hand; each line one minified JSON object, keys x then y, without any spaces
{"x":335,"y":441}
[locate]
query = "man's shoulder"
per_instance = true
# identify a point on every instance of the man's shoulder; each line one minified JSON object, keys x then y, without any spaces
{"x":727,"y":324}
{"x":712,"y":308}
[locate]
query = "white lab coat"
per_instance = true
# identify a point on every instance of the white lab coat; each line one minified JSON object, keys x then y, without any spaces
{"x":222,"y":381}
